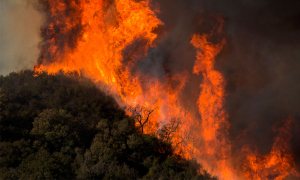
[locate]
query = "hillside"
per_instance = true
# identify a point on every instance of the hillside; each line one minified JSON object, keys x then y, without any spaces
{"x":57,"y":127}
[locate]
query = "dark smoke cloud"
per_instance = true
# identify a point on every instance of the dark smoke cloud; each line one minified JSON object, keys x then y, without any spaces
{"x":53,"y":30}
{"x":20,"y":26}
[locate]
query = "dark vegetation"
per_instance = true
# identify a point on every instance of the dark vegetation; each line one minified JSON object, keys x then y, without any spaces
{"x":57,"y":127}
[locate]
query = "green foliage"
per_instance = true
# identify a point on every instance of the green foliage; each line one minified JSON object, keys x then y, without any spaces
{"x":55,"y":129}
{"x":58,"y":127}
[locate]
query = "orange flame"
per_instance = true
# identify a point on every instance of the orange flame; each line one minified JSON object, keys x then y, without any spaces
{"x":106,"y":33}
{"x":278,"y":164}
{"x":214,"y":125}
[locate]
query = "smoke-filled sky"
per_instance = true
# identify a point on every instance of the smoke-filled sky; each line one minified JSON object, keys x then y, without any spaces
{"x":19,"y":35}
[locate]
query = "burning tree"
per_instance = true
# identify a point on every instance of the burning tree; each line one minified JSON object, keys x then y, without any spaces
{"x":141,"y":116}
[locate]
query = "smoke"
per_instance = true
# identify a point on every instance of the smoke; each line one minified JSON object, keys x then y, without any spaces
{"x":20,"y":26}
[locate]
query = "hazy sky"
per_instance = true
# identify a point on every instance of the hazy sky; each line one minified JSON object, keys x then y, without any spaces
{"x":19,"y":35}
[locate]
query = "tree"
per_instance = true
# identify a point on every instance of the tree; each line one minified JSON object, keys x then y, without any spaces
{"x":55,"y":128}
{"x":43,"y":165}
{"x":141,"y":115}
{"x":169,"y":129}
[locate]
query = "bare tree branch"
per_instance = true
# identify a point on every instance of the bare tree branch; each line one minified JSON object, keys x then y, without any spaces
{"x":137,"y":114}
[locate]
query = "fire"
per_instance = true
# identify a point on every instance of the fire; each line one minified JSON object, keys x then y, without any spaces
{"x":278,"y":164}
{"x":106,"y":39}
{"x":107,"y":29}
{"x":210,"y":103}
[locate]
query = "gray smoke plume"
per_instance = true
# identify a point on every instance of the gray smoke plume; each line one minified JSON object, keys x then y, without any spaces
{"x":20,"y":26}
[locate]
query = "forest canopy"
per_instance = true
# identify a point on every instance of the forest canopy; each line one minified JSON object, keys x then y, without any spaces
{"x":64,"y":127}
